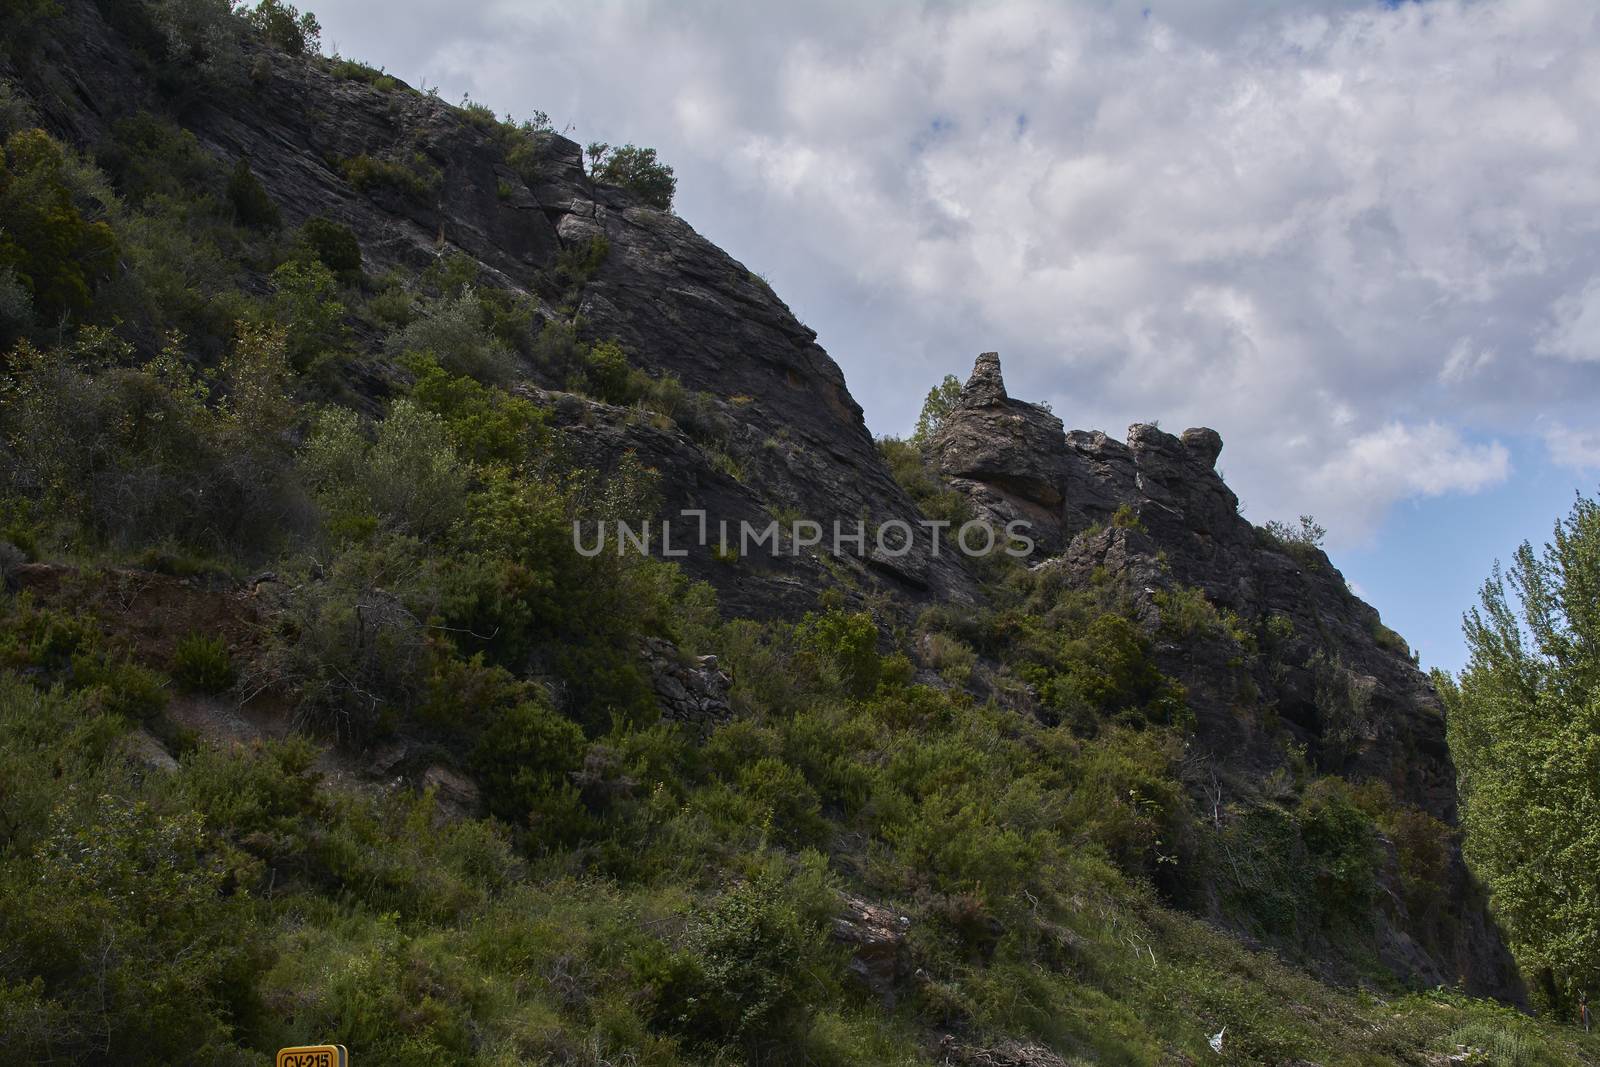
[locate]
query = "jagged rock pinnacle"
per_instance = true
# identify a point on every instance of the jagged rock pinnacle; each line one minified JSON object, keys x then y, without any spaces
{"x":986,"y":386}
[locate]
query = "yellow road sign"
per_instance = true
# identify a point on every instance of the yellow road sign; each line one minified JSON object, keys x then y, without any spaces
{"x":313,"y":1056}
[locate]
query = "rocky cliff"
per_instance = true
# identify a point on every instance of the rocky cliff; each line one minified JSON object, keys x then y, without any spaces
{"x":1299,"y":664}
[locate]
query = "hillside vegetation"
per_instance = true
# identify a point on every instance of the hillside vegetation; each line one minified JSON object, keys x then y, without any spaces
{"x":315,"y":727}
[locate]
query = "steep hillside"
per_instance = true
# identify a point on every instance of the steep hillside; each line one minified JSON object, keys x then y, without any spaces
{"x":449,"y":182}
{"x":317,"y":724}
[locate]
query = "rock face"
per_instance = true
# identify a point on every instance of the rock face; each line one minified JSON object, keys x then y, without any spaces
{"x":875,"y":937}
{"x":690,"y":691}
{"x":1293,"y":658}
{"x":1008,"y":456}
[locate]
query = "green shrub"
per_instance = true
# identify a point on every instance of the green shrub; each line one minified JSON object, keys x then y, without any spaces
{"x":607,"y":374}
{"x":936,"y":407}
{"x":407,"y":481}
{"x":1390,"y":640}
{"x":454,"y":331}
{"x":1110,"y":667}
{"x":352,"y":652}
{"x":417,"y":180}
{"x":16,"y":110}
{"x":134,"y":458}
{"x":636,"y":170}
{"x":251,"y":204}
{"x":16,"y":306}
{"x":750,"y":964}
{"x":121,"y":915}
{"x":847,"y":647}
{"x":25,"y":22}
{"x":524,"y":763}
{"x":352,"y":70}
{"x":485,"y":424}
{"x":480,"y":115}
{"x":52,"y":250}
{"x":203,"y":663}
{"x":202,"y":41}
{"x":1422,"y":845}
{"x":305,"y":302}
{"x":1302,"y":540}
{"x":575,"y":265}
{"x":333,"y":243}
{"x":1342,"y":843}
{"x":911,"y":469}
{"x":1126,"y":518}
{"x":156,"y":163}
{"x":121,"y":687}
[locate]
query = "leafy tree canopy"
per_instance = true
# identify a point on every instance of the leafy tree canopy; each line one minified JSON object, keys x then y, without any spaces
{"x":1525,"y":732}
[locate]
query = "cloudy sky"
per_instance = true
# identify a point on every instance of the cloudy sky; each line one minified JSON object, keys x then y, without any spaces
{"x":1357,"y":238}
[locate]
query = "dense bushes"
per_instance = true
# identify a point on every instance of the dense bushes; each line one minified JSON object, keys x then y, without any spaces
{"x":133,"y":457}
{"x":406,"y":481}
{"x":333,"y":244}
{"x":454,"y":331}
{"x":203,"y":663}
{"x":48,"y":246}
{"x":202,"y":40}
{"x":524,"y":762}
{"x":416,"y":179}
{"x":752,"y":960}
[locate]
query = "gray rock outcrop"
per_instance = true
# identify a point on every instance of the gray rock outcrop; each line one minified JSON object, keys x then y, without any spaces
{"x":1293,"y":658}
{"x":1008,"y":456}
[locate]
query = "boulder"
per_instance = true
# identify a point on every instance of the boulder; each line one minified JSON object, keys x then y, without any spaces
{"x":690,"y":690}
{"x":875,"y":936}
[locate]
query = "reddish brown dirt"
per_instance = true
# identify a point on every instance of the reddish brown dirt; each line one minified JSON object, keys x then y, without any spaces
{"x":146,"y":614}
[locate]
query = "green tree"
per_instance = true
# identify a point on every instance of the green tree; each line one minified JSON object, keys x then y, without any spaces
{"x":636,"y":170}
{"x":1524,"y":727}
{"x":940,"y":402}
{"x":285,"y":27}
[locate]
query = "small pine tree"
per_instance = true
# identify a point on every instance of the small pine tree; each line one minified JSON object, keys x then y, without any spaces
{"x":938,"y":405}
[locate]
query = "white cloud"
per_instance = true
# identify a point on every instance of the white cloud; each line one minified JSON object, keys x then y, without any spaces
{"x":1464,"y":362}
{"x":1361,"y":240}
{"x":1577,"y":450}
{"x":1574,"y":332}
{"x":1395,"y":461}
